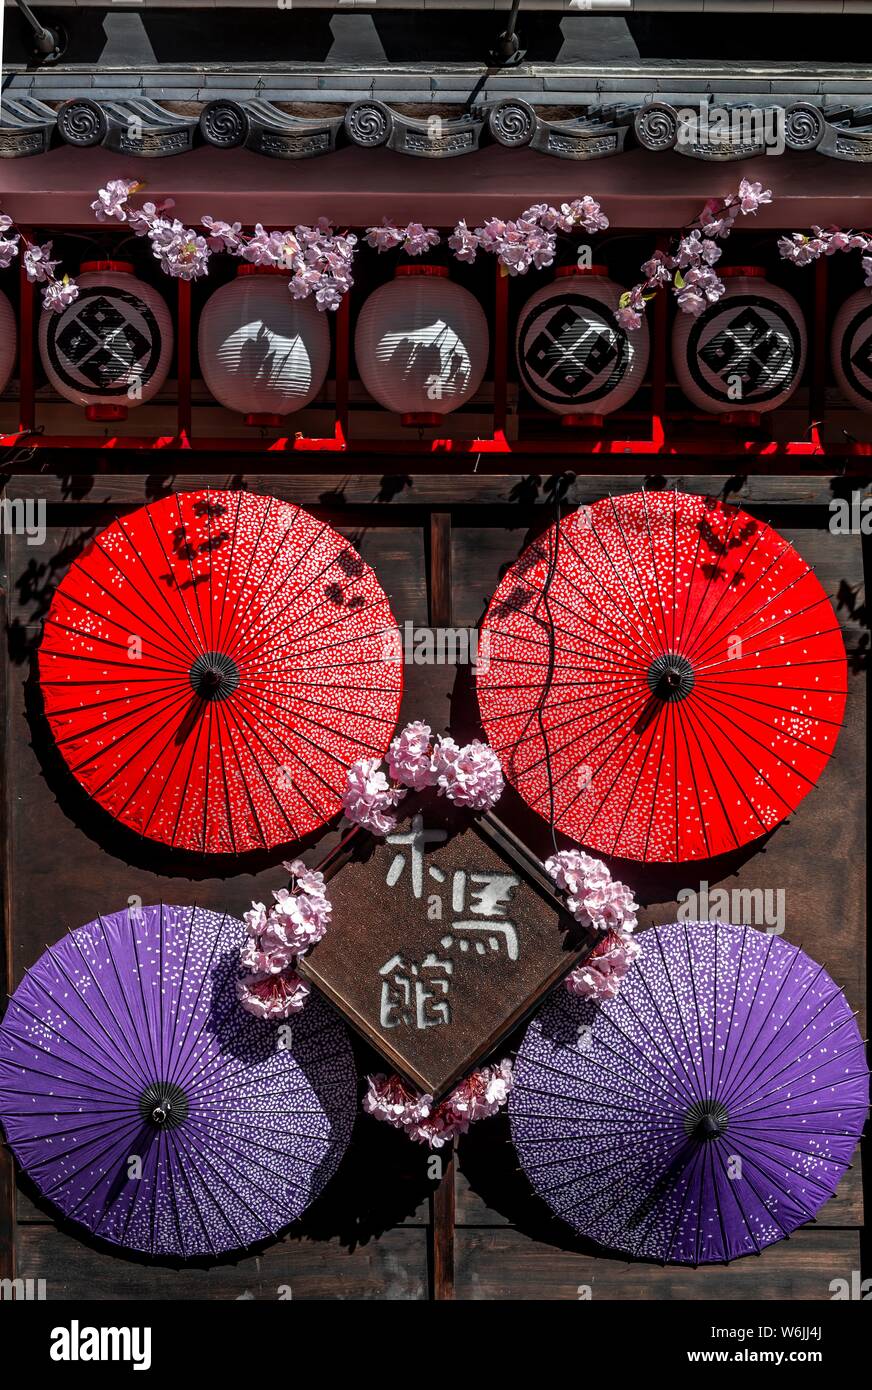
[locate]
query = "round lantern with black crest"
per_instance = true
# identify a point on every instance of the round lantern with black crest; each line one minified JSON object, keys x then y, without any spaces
{"x":263,"y":353}
{"x":8,"y":340}
{"x":744,"y":355}
{"x":421,"y":344}
{"x":851,"y":349}
{"x":111,"y":349}
{"x":574,"y":358}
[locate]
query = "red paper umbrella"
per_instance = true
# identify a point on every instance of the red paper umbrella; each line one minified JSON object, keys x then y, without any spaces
{"x":212,"y":665}
{"x":665,"y":677}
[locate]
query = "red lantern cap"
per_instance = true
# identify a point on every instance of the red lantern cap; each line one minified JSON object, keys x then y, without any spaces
{"x":439,"y":270}
{"x":249,"y":269}
{"x":119,"y":267}
{"x":754,"y":272}
{"x":581,"y":270}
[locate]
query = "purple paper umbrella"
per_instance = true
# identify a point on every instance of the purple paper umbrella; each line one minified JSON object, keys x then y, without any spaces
{"x":146,"y":1104}
{"x":707,"y":1110}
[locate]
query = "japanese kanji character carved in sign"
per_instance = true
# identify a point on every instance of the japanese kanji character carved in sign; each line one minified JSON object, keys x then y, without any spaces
{"x":443,"y":936}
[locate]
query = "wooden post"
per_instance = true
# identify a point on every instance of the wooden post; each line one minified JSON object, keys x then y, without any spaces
{"x":7,"y":1170}
{"x":442,"y":1213}
{"x":183,"y":358}
{"x":442,"y":1201}
{"x":27,"y":317}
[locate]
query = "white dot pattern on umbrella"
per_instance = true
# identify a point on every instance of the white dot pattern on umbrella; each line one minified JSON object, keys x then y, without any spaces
{"x":137,"y":1011}
{"x":707,"y":1110}
{"x":666,"y":677}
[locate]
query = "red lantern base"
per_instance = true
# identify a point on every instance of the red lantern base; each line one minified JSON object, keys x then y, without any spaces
{"x":421,"y":418}
{"x":752,"y":418}
{"x":582,"y":422}
{"x":269,"y":422}
{"x":105,"y":412}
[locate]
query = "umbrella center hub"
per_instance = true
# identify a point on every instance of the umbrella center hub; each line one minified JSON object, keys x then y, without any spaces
{"x":706,"y":1120}
{"x":671,"y":677}
{"x":214,"y":676}
{"x":163,"y":1104}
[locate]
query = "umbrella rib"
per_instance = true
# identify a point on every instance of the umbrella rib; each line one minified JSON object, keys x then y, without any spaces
{"x":709,"y":581}
{"x":771,"y":1076}
{"x":771,"y":646}
{"x":159,"y":700}
{"x":700,"y":1082}
{"x":708,"y":628}
{"x":729,"y":1081}
{"x":196,"y":646}
{"x":691,"y":573}
{"x":195,"y":585}
{"x":147,"y":1029}
{"x":768,"y":748}
{"x":692,"y":977}
{"x":682,"y":1076}
{"x":827,"y":1189}
{"x":720,"y":700}
{"x":126,"y":575}
{"x":649,"y":652}
{"x":228,"y":570}
{"x":734,"y":1190}
{"x":685,"y":713}
{"x":654,"y":567}
{"x":574,"y":615}
{"x":700,"y":652}
{"x":642,"y":590}
{"x":531,"y":640}
{"x":748,"y":1080}
{"x":174,"y":1077}
{"x":180,"y":650}
{"x":109,"y":1053}
{"x":134,"y":1059}
{"x":168,"y":655}
{"x":199,"y":637}
{"x":752,"y":1114}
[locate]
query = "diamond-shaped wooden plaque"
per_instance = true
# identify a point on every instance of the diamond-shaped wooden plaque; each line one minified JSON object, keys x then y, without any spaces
{"x":443,"y":937}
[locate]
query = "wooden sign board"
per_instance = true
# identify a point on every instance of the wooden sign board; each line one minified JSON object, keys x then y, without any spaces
{"x":444,"y":935}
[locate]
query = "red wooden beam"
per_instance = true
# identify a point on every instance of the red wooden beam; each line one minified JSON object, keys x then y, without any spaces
{"x":183,"y":353}
{"x":501,"y":349}
{"x":27,"y":316}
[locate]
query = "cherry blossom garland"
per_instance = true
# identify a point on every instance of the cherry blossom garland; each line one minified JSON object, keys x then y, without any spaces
{"x":528,"y":242}
{"x":277,"y":936}
{"x":478,"y":1096}
{"x":689,"y":267}
{"x":803,"y":249}
{"x":59,"y":291}
{"x":318,"y":258}
{"x":468,"y":776}
{"x":597,"y":900}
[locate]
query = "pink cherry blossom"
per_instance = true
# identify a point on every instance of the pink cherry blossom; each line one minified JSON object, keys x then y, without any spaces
{"x":59,"y":295}
{"x":272,"y":996}
{"x":369,"y":798}
{"x":602,"y":974}
{"x":469,"y":776}
{"x":480,"y":1095}
{"x":751,"y":196}
{"x":110,"y":202}
{"x":223,"y":236}
{"x":38,"y":265}
{"x":464,"y":243}
{"x":8,"y":246}
{"x":409,"y":757}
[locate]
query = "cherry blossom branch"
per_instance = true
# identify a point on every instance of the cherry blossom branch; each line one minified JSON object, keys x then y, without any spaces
{"x":59,"y":291}
{"x":528,"y":242}
{"x":277,"y":936}
{"x":802,"y":249}
{"x":597,"y":900}
{"x":468,"y":776}
{"x":689,"y":266}
{"x":318,"y":258}
{"x":478,"y":1096}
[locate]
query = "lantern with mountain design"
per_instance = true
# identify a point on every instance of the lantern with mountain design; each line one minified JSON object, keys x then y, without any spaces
{"x":744,"y":355}
{"x":111,"y":349}
{"x":263,"y":353}
{"x":851,"y":349}
{"x":421,"y":344}
{"x":8,"y":341}
{"x":574,"y":358}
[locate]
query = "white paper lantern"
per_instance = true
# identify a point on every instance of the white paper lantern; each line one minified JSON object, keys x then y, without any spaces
{"x":8,"y":341}
{"x":111,"y":349}
{"x":421,"y":344}
{"x":574,"y":358}
{"x":851,"y":349}
{"x":744,"y":354}
{"x":262,"y":352}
